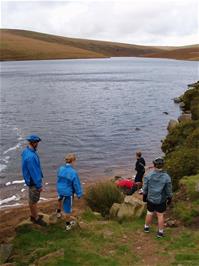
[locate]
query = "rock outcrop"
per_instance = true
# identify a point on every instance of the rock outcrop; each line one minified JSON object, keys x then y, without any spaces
{"x":131,"y":208}
{"x":172,"y":124}
{"x":49,"y":219}
{"x":184,"y":117}
{"x":177,"y":99}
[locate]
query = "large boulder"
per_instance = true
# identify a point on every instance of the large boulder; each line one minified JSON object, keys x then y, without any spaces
{"x":139,"y":205}
{"x":114,"y":210}
{"x":126,"y":212}
{"x":172,"y":124}
{"x":184,"y":117}
{"x":131,"y":208}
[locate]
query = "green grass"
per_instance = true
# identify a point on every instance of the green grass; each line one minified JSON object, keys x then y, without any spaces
{"x":81,"y":247}
{"x":186,"y":259}
{"x":104,"y":243}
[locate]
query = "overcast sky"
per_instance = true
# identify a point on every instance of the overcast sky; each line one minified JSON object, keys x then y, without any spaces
{"x":149,"y":22}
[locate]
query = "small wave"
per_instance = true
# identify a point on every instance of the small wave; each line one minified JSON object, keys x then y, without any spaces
{"x":23,"y":189}
{"x":18,"y":182}
{"x":13,"y":148}
{"x":2,"y":167}
{"x":6,"y":159}
{"x":13,"y":198}
{"x":10,"y":205}
{"x":14,"y":182}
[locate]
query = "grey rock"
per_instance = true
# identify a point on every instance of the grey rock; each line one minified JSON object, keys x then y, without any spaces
{"x":53,"y":218}
{"x":172,"y":124}
{"x":126,"y":212}
{"x":177,"y":100}
{"x":184,"y":117}
{"x":5,"y":252}
{"x":131,"y":208}
{"x":114,"y":210}
{"x":187,"y":112}
{"x":182,"y":105}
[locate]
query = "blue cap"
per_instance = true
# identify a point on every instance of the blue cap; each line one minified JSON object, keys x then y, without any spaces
{"x":33,"y":138}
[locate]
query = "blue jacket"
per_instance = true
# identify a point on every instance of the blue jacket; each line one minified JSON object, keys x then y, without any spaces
{"x":68,"y":181}
{"x":31,"y":168}
{"x":157,"y":186}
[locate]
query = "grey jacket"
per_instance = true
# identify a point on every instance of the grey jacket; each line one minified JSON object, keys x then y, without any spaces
{"x":157,"y":186}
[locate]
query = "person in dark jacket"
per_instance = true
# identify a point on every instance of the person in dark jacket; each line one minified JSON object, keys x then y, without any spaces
{"x":32,"y":173}
{"x":157,"y":192}
{"x":68,"y":183}
{"x":140,"y":169}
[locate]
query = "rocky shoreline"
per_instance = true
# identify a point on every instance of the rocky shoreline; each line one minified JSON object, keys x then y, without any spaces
{"x":186,"y":114}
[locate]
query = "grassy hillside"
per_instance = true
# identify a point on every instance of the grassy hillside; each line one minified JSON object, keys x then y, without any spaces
{"x":181,"y":146}
{"x":184,"y":53}
{"x":103,"y":242}
{"x":28,"y":45}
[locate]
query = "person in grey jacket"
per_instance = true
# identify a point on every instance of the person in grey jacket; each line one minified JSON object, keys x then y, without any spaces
{"x":157,"y":192}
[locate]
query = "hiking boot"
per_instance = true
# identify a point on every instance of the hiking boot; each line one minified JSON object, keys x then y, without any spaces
{"x":146,"y":229}
{"x":140,"y":191}
{"x":160,"y":235}
{"x":59,"y":214}
{"x":39,"y":221}
{"x":68,"y":226}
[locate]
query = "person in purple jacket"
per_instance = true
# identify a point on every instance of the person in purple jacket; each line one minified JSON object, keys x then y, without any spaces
{"x":32,"y":173}
{"x":68,"y":183}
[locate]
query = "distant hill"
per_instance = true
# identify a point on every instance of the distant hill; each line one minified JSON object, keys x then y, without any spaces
{"x":29,"y":45}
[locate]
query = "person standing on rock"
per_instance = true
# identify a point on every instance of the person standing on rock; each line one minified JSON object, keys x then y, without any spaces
{"x":140,"y":169}
{"x":157,"y":192}
{"x":68,"y":183}
{"x":32,"y":173}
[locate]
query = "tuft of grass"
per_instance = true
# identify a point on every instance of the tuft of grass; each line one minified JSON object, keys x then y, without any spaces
{"x":186,"y":212}
{"x":186,"y":259}
{"x":191,"y":184}
{"x":100,"y":197}
{"x":89,"y":216}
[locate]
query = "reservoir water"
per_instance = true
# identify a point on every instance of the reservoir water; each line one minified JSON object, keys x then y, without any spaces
{"x":101,"y":109}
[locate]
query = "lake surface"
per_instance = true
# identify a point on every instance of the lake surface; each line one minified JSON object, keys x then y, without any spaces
{"x":101,"y":109}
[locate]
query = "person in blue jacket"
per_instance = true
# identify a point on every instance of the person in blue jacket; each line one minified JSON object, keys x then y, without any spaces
{"x":32,"y":173}
{"x":68,"y":183}
{"x":157,"y":192}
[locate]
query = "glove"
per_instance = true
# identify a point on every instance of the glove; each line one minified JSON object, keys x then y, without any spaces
{"x":169,"y":201}
{"x":145,"y":197}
